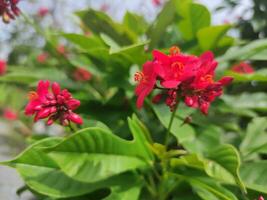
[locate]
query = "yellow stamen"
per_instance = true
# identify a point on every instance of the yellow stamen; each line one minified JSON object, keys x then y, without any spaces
{"x":208,"y":78}
{"x":178,"y":65}
{"x":139,"y":76}
{"x":32,"y":95}
{"x":174,"y":50}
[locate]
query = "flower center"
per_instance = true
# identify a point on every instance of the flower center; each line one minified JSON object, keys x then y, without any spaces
{"x":177,"y":65}
{"x":207,"y":78}
{"x":32,"y":95}
{"x":174,"y":50}
{"x":139,"y":76}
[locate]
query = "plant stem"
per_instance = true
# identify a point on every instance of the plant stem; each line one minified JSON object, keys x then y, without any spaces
{"x":170,"y":125}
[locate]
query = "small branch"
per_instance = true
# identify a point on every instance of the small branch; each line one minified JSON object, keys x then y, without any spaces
{"x":170,"y":125}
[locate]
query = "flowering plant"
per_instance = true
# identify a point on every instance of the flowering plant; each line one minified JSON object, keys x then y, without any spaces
{"x":186,"y":137}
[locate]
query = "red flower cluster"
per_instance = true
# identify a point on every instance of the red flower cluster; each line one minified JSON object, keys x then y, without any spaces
{"x":180,"y":76}
{"x":81,"y":74}
{"x":42,"y":57}
{"x":9,"y":9}
{"x":243,"y":68}
{"x":61,"y":49}
{"x":156,"y":2}
{"x":55,"y":105}
{"x":43,"y":11}
{"x":2,"y":67}
{"x":261,"y":198}
{"x":10,"y":114}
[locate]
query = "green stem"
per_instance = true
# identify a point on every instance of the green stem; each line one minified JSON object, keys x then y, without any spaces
{"x":170,"y":126}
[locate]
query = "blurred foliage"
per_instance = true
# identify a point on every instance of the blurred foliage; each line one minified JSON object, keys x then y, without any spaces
{"x":225,"y":151}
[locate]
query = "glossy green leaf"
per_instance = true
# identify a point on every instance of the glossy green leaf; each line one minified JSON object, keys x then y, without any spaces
{"x":99,"y":22}
{"x":227,"y":157}
{"x":246,"y":51}
{"x":184,"y":133}
{"x":204,"y":186}
{"x":257,"y":101}
{"x":94,"y":154}
{"x":209,"y":37}
{"x":209,"y":189}
{"x":259,"y":76}
{"x":255,"y":137}
{"x":43,"y":175}
{"x":84,"y":42}
{"x":130,"y":190}
{"x":158,"y":27}
{"x":254,"y":175}
{"x":194,"y":17}
{"x":135,"y":23}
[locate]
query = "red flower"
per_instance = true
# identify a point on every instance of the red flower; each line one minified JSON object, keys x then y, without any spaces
{"x":104,"y":7}
{"x":9,"y":114}
{"x":181,"y":77}
{"x":156,"y":2}
{"x":202,"y":89}
{"x":147,"y":80}
{"x":55,"y":105}
{"x":9,"y":9}
{"x":42,"y":57}
{"x":2,"y":67}
{"x":261,"y":198}
{"x":43,"y":11}
{"x":174,"y":68}
{"x":61,"y":49}
{"x":243,"y":68}
{"x":81,"y":74}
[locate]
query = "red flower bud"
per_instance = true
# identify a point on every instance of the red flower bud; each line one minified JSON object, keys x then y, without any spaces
{"x":75,"y":118}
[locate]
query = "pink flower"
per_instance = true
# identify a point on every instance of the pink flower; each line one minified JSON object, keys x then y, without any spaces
{"x":243,"y":68}
{"x":43,"y":11}
{"x":81,"y":74}
{"x":9,"y":9}
{"x":55,"y":105}
{"x":9,"y":114}
{"x":3,"y":67}
{"x":146,"y":80}
{"x":42,"y":57}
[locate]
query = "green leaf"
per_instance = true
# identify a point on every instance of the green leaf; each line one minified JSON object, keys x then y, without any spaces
{"x":245,"y":52}
{"x":259,"y":76}
{"x":210,"y":189}
{"x":28,"y":76}
{"x":42,"y":174}
{"x":135,"y":23}
{"x":194,"y":17}
{"x":84,"y":42}
{"x":158,"y":27}
{"x":99,"y":22}
{"x":254,"y":175}
{"x":227,"y":157}
{"x":185,"y":134}
{"x":93,"y":154}
{"x":209,"y":37}
{"x":261,"y":55}
{"x":204,"y":186}
{"x":130,"y":190}
{"x":255,"y":138}
{"x":257,"y":101}
{"x":134,"y":53}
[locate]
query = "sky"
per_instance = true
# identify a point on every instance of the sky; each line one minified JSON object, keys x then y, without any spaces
{"x":65,"y":8}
